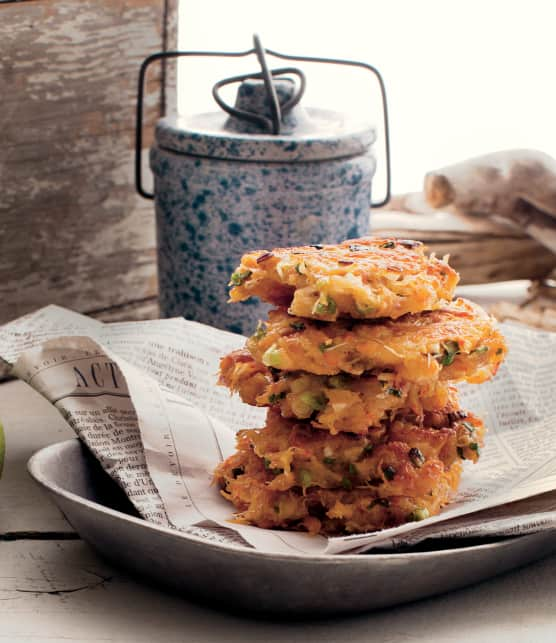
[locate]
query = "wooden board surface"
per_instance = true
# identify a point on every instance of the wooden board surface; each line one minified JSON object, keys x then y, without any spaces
{"x":72,"y":229}
{"x":54,"y":590}
{"x":129,"y":311}
{"x":24,"y":508}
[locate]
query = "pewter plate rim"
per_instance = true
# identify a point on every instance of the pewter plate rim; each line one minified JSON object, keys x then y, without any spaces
{"x":34,"y":468}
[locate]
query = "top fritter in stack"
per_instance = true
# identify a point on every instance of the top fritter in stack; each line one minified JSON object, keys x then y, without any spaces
{"x":357,"y":365}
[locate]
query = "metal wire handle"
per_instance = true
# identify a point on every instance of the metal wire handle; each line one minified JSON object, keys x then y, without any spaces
{"x":278,"y":112}
{"x":269,"y":85}
{"x":240,"y":54}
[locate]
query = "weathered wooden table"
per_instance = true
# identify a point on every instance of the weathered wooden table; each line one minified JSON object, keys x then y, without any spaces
{"x":53,"y":587}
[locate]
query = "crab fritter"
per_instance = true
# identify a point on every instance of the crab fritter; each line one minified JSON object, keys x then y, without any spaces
{"x":289,"y":475}
{"x":458,"y":342}
{"x":361,"y":278}
{"x":337,"y":402}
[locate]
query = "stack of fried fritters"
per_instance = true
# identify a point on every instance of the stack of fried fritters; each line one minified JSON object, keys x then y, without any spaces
{"x":357,"y":365}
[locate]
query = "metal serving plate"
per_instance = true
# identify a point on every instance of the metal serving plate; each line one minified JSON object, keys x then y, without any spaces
{"x":239,"y":578}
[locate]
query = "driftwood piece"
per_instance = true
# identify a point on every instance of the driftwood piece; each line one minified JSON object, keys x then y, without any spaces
{"x":481,"y":249}
{"x":538,"y":309}
{"x":72,"y":229}
{"x":518,"y":185}
{"x":484,"y":249}
{"x":540,"y":314}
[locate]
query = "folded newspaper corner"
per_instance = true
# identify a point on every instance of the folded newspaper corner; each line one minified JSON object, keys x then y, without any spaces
{"x":143,"y":397}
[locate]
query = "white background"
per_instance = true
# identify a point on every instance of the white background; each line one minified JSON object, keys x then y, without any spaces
{"x":463,"y":77}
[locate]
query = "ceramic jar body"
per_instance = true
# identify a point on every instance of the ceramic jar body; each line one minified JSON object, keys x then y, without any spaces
{"x":211,"y":211}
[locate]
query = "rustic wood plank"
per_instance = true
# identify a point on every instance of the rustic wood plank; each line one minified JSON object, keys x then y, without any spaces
{"x":480,"y":249}
{"x":487,"y":259}
{"x":30,"y":423}
{"x":62,"y":591}
{"x":72,"y":229}
{"x":134,"y":311}
{"x":169,"y":88}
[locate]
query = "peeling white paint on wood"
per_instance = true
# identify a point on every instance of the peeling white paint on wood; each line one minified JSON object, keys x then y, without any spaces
{"x":72,"y":229}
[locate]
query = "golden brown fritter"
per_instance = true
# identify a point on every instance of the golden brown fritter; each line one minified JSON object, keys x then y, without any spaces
{"x":337,"y":402}
{"x":338,"y":511}
{"x":291,"y":447}
{"x":360,"y":278}
{"x":291,"y":476}
{"x":357,"y":367}
{"x":458,"y":343}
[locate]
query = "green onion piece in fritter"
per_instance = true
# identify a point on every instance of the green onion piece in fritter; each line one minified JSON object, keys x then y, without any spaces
{"x":468,"y":426}
{"x":329,"y":460}
{"x":239,"y":278}
{"x":347,"y":484}
{"x":365,"y":309}
{"x":451,"y":349}
{"x":315,"y":402}
{"x":338,"y":381}
{"x":273,"y":398}
{"x":276,"y":471}
{"x":368,"y":448}
{"x":304,"y":477}
{"x":260,"y":331}
{"x":272,"y":357}
{"x":328,"y":308}
{"x":396,"y":392}
{"x":419,"y":514}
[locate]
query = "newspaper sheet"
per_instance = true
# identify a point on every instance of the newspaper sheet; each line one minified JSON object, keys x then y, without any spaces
{"x":143,"y":397}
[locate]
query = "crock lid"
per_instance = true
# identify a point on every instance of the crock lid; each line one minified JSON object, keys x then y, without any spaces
{"x":307,"y":134}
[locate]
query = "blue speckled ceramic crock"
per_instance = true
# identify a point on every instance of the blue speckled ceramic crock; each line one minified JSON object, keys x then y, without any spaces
{"x":222,"y":189}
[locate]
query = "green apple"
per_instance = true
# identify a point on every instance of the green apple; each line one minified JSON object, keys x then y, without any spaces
{"x":2,"y":448}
